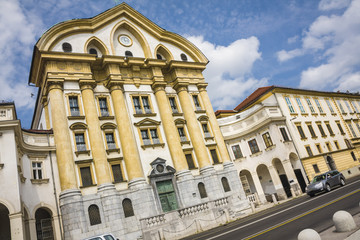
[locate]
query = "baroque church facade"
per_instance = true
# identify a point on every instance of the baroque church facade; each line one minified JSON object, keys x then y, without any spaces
{"x":138,"y":148}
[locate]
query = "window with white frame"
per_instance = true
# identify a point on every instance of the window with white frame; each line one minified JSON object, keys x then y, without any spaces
{"x":340,"y":106}
{"x":284,"y":134}
{"x":173,"y":105}
{"x":329,"y":105}
{"x":353,"y":103}
{"x":80,"y":142}
{"x":254,"y":148}
{"x":348,"y":106}
{"x":110,"y":140}
{"x":37,"y":170}
{"x":308,"y":149}
{"x":182,"y":134}
{"x":196,"y":102}
{"x":288,"y":102}
{"x":141,"y":105}
{"x":267,"y":140}
{"x":318,"y":105}
{"x":150,"y":136}
{"x":302,"y":110}
{"x":308,"y":101}
{"x":206,"y":130}
{"x":352,"y":130}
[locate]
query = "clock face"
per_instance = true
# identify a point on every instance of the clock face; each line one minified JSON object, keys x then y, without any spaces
{"x":125,"y":40}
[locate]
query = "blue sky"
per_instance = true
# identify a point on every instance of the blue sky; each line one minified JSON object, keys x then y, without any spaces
{"x":250,"y":43}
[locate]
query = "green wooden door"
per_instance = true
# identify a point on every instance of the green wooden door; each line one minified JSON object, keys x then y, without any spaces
{"x":167,"y":195}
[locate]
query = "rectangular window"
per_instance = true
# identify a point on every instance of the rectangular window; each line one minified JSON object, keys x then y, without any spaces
{"x":2,"y":113}
{"x":196,"y":102}
{"x":206,"y":130}
{"x":328,"y":146}
{"x":289,"y":105}
{"x":267,"y":140}
{"x":284,"y":134}
{"x":37,"y":170}
{"x":321,"y":130}
{"x":104,"y":111}
{"x":301,"y":132}
{"x":353,"y":103}
{"x":352,"y":130}
{"x":308,"y":149}
{"x":173,"y":105}
{"x":110,"y":140}
{"x":86,"y":178}
{"x":190,"y":161}
{"x":80,"y":142}
{"x":253,"y":146}
{"x":214,"y":156}
{"x":74,"y":106}
{"x":311,"y":130}
{"x":302,"y":110}
{"x":336,"y":145}
{"x":154,"y":136}
{"x":308,"y":101}
{"x":117,"y":173}
{"x":141,"y":105}
{"x":316,"y":168}
{"x":182,"y":135}
{"x":357,"y":125}
{"x":348,"y":106}
{"x":145,"y":137}
{"x":318,"y":105}
{"x":237,"y":151}
{"x":340,"y":106}
{"x":329,"y":105}
{"x":340,"y":128}
{"x":329,"y":129}
{"x":318,"y":148}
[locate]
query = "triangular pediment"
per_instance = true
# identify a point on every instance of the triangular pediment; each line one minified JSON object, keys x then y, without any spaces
{"x":147,"y":122}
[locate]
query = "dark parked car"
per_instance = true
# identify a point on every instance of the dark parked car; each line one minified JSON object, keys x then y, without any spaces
{"x":325,"y":182}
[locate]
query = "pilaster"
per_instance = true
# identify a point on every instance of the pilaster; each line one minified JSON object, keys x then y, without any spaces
{"x":258,"y":187}
{"x":16,"y":226}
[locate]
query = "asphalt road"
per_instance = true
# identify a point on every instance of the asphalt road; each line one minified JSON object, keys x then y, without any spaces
{"x":286,"y":220}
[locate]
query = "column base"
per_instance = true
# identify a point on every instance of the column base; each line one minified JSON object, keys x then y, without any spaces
{"x":208,"y":170}
{"x":184,"y":175}
{"x":137,"y":183}
{"x":69,"y":194}
{"x":228,"y":166}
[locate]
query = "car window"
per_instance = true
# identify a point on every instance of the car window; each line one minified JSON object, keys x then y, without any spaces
{"x":334,"y":173}
{"x":318,"y":178}
{"x":108,"y":237}
{"x":95,"y":238}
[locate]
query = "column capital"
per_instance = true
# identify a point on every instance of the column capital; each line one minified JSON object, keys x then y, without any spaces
{"x":113,"y":84}
{"x":44,"y":100}
{"x":202,"y":86}
{"x":158,"y":86}
{"x":87,"y":84}
{"x":179,"y":87}
{"x":54,"y":84}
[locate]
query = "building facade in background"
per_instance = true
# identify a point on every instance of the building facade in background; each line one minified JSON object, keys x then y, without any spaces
{"x":138,"y":146}
{"x":29,"y":180}
{"x":324,"y":127}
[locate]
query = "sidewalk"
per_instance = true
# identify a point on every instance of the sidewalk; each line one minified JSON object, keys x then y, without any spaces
{"x":331,"y":234}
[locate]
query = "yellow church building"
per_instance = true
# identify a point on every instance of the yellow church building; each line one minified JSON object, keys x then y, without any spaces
{"x":138,"y":147}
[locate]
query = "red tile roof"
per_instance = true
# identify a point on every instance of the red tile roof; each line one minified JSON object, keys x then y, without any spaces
{"x":253,"y":97}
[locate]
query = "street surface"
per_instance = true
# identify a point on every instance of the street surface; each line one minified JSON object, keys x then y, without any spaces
{"x":286,"y":220}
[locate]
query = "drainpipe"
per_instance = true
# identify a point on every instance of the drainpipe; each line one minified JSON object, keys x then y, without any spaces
{"x":292,"y":139}
{"x":54,"y":188}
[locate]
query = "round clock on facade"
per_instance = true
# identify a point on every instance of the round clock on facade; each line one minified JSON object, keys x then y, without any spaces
{"x":125,"y":40}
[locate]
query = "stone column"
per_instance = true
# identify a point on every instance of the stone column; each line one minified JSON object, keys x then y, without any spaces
{"x":16,"y":226}
{"x":127,"y":139}
{"x":277,"y":183}
{"x":64,"y":149}
{"x":192,"y":124}
{"x":258,"y":187}
{"x":171,"y":132}
{"x":295,"y":188}
{"x":95,"y":136}
{"x":213,"y":123}
{"x":32,"y":228}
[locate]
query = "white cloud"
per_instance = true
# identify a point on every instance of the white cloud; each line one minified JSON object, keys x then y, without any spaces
{"x":229,"y":72}
{"x":326,"y":5}
{"x":293,"y":39}
{"x":287,"y":55}
{"x":17,"y":37}
{"x":335,"y":41}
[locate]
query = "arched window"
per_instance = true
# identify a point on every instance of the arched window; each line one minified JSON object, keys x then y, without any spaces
{"x":94,"y":215}
{"x":128,"y":54}
{"x":66,"y":47}
{"x":225,"y":184}
{"x":93,"y":51}
{"x":183,"y":57}
{"x":158,"y":56}
{"x":127,"y":207}
{"x":202,"y":190}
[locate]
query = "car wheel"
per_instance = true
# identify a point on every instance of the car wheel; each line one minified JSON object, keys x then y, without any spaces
{"x":328,"y":188}
{"x":342,"y":182}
